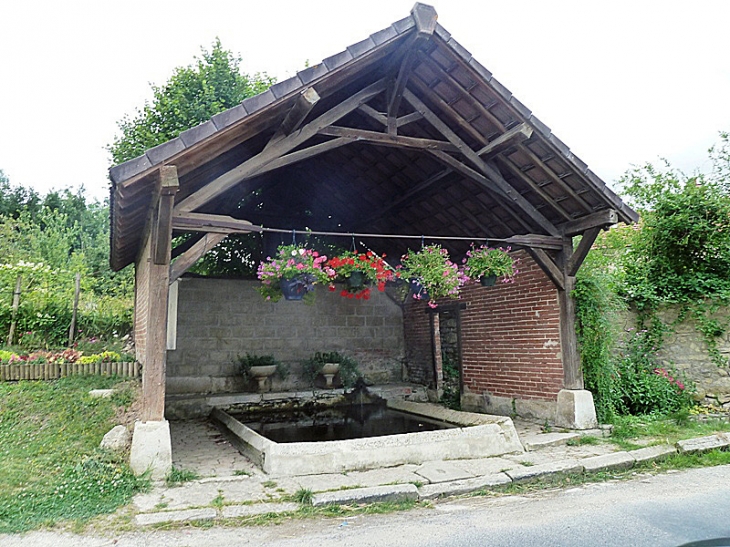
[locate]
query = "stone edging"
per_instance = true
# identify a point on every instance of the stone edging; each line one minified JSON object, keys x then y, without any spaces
{"x":410,"y":492}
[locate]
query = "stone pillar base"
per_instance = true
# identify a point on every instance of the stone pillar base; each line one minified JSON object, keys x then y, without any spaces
{"x":576,"y":409}
{"x":151,"y":449}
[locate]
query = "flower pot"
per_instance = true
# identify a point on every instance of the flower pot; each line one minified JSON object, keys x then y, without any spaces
{"x":294,"y":288}
{"x":356,"y":280}
{"x":262,"y":373}
{"x":329,"y":370}
{"x":418,"y":291}
{"x":488,"y":280}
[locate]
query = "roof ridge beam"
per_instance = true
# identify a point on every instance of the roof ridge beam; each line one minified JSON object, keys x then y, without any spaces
{"x":425,"y":18}
{"x":231,"y":178}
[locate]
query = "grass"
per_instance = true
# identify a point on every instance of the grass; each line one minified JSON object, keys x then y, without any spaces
{"x":51,"y":468}
{"x":583,"y":440}
{"x":665,"y":429}
{"x":178,"y":476}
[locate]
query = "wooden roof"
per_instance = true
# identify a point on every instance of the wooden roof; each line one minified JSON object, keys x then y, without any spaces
{"x":403,"y":132}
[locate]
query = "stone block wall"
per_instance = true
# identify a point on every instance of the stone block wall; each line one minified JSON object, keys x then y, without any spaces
{"x":686,"y":350}
{"x":219,"y":319}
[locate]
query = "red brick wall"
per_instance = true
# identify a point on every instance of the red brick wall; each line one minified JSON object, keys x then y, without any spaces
{"x":510,"y":337}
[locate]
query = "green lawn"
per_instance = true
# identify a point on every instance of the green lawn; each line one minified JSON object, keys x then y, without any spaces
{"x":51,"y":468}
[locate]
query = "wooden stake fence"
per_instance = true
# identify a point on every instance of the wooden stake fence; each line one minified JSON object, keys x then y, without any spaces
{"x":53,"y":371}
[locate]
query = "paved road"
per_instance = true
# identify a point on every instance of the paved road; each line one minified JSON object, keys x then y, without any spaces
{"x":661,"y":511}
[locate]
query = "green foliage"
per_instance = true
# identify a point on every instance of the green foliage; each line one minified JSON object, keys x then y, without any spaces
{"x":50,"y":467}
{"x":177,"y":476}
{"x":646,"y":387}
{"x":348,"y":373}
{"x":596,"y":306}
{"x":451,"y":397}
{"x":303,"y":496}
{"x":194,"y":94}
{"x":245,"y":363}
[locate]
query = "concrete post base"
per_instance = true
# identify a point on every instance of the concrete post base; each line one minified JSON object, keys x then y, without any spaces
{"x":151,"y":449}
{"x":576,"y":409}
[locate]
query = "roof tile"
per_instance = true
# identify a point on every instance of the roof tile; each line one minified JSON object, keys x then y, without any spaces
{"x":560,"y":145}
{"x":311,"y":73}
{"x":286,"y":86}
{"x":521,"y":108}
{"x":442,"y":33}
{"x":338,"y":59}
{"x":499,"y":88}
{"x":460,"y":50}
{"x":227,"y":117}
{"x":596,"y":180}
{"x":384,"y":35}
{"x":129,"y":168}
{"x":543,"y":129}
{"x":361,"y":47}
{"x":404,"y":25}
{"x":480,"y":69}
{"x":161,"y":152}
{"x":579,"y":163}
{"x":252,"y":104}
{"x":198,"y":133}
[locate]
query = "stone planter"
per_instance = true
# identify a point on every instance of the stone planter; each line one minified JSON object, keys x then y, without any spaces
{"x":329,"y":370}
{"x":262,"y":373}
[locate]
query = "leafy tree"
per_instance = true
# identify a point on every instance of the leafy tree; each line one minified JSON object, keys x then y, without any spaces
{"x":191,"y":96}
{"x":15,"y":199}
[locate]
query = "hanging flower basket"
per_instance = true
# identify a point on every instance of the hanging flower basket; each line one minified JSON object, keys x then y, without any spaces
{"x":438,"y":276}
{"x":293,"y":273}
{"x":360,"y":271}
{"x":488,"y":263}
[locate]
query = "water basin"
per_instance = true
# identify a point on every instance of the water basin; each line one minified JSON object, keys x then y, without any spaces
{"x":337,"y":423}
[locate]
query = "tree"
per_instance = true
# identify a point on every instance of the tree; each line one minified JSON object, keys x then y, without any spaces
{"x":191,"y":96}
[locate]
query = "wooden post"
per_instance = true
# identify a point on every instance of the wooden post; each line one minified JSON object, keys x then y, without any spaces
{"x":155,"y":262}
{"x":72,"y":328}
{"x":16,"y":304}
{"x":572,"y":373}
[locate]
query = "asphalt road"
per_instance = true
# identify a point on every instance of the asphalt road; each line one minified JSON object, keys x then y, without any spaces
{"x":660,"y":511}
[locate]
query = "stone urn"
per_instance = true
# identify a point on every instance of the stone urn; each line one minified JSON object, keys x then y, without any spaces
{"x":262,"y":373}
{"x":329,"y":370}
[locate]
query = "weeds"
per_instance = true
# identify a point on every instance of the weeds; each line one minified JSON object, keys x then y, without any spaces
{"x":177,"y":476}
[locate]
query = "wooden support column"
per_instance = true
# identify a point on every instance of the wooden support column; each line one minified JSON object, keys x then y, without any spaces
{"x":153,"y":271}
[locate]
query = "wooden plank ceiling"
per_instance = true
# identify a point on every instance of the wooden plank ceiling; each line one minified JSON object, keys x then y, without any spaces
{"x":402,"y":133}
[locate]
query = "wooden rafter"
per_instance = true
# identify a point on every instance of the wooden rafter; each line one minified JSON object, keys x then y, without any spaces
{"x":579,"y":255}
{"x":228,"y":180}
{"x":599,"y":219}
{"x":222,"y":224}
{"x":517,"y":198}
{"x":186,"y":260}
{"x":534,"y":186}
{"x":303,"y":105}
{"x":386,"y":139}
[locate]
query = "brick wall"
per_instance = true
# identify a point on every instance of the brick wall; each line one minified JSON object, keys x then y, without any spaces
{"x":141,"y":300}
{"x":220,"y":319}
{"x":510,"y":338}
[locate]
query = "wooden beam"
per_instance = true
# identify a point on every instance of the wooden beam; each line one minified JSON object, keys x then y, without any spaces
{"x":300,"y":155}
{"x":408,"y":118}
{"x":599,"y":219}
{"x":162,"y":230}
{"x":538,"y":241}
{"x":374,"y":114}
{"x":228,"y":180}
{"x":518,"y":133}
{"x":547,"y":264}
{"x":203,"y":222}
{"x":386,"y":139}
{"x":572,"y":373}
{"x":186,"y":260}
{"x":425,"y":18}
{"x":468,"y":172}
{"x":480,"y":164}
{"x":534,"y":186}
{"x":579,"y":255}
{"x":303,"y":105}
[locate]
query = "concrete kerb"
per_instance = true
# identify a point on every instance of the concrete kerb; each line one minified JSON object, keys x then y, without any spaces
{"x":412,"y":492}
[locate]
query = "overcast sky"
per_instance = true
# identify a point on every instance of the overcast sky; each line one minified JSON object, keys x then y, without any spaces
{"x":620,"y":82}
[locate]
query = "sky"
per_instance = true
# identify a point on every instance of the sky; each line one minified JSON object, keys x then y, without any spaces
{"x":620,"y":82}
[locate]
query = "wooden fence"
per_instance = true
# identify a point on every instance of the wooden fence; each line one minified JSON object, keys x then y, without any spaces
{"x":48,"y":371}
